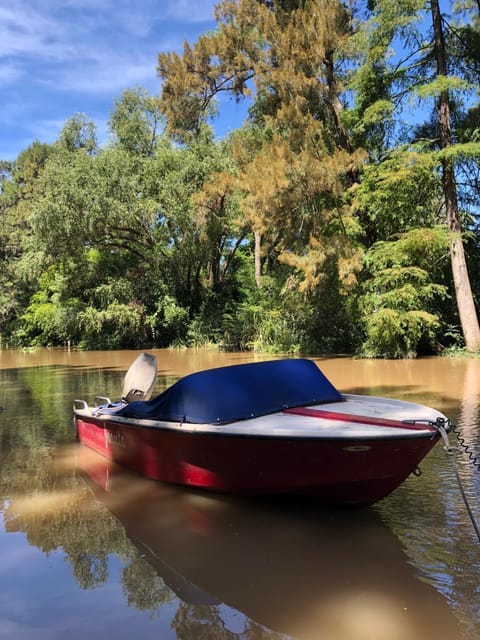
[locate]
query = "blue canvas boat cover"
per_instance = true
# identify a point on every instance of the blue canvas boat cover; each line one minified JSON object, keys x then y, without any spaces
{"x":237,"y":392}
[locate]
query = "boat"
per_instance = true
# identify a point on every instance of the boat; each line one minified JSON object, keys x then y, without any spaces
{"x":271,"y":427}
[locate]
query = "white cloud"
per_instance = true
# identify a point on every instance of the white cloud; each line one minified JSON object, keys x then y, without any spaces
{"x":60,"y":57}
{"x":104,"y":76}
{"x":26,"y":32}
{"x":81,"y":50}
{"x":10,"y":72}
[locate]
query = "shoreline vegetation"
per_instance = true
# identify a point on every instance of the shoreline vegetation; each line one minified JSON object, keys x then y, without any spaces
{"x":332,"y":221}
{"x":459,"y":353}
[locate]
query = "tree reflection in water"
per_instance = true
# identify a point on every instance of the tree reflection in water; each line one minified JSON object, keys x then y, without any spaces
{"x":60,"y":513}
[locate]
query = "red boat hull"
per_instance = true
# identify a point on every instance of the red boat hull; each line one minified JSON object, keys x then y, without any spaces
{"x":337,"y":471}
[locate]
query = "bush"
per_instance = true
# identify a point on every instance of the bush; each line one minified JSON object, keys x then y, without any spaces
{"x":117,"y":326}
{"x":398,"y":306}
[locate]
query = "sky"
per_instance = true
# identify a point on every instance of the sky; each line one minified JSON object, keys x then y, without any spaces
{"x":63,"y":57}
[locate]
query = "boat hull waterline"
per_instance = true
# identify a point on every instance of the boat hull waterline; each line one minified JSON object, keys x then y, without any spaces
{"x":353,"y":451}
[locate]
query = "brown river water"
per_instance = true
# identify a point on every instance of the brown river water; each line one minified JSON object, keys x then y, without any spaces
{"x":90,"y":551}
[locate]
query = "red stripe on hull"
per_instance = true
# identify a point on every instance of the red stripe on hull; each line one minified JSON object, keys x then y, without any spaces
{"x":337,"y":471}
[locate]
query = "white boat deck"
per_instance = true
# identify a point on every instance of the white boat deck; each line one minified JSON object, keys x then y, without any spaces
{"x":299,"y":426}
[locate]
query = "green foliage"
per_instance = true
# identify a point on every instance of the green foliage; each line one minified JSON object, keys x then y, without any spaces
{"x":41,"y":320}
{"x":117,"y":326}
{"x":313,"y":228}
{"x":275,"y":318}
{"x":440,"y":85}
{"x":400,"y":193}
{"x":99,"y":201}
{"x":79,"y":132}
{"x":169,"y":322}
{"x":397,"y":334}
{"x":398,"y":302}
{"x":464,"y":151}
{"x":49,"y":319}
{"x":135,"y":121}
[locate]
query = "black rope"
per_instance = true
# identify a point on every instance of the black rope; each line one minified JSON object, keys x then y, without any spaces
{"x":452,"y":454}
{"x":473,"y":459}
{"x":464,"y":496}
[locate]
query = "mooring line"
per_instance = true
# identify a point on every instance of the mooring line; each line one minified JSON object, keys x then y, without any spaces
{"x":465,"y":499}
{"x":452,"y":454}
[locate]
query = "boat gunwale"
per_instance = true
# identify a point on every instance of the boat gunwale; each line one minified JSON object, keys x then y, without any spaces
{"x":108,"y":421}
{"x":384,"y":432}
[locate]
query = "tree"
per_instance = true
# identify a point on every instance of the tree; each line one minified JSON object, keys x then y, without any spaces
{"x":465,"y":302}
{"x":93,"y":234}
{"x":399,"y":301}
{"x":199,"y":216}
{"x":295,"y":183}
{"x":78,"y":132}
{"x":429,"y":71}
{"x":20,"y":185}
{"x":401,"y":193}
{"x":133,"y":237}
{"x":136,"y":122}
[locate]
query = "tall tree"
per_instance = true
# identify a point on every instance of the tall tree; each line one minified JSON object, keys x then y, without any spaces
{"x":136,"y":122}
{"x":78,"y":132}
{"x":465,"y":302}
{"x":20,"y":186}
{"x":425,"y":70}
{"x":286,"y":54}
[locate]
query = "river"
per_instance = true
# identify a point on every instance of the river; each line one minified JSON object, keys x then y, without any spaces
{"x":92,"y":552}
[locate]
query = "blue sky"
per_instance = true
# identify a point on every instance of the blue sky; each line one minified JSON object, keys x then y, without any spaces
{"x":62,"y":57}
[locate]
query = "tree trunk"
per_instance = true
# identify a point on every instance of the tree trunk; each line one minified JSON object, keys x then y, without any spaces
{"x":463,"y":291}
{"x":335,"y":104}
{"x":258,"y":256}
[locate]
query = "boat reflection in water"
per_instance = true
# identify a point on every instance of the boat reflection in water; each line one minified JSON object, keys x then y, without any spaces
{"x":292,"y":568}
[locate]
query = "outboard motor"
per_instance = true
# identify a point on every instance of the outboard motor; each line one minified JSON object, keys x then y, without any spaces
{"x":140,"y":378}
